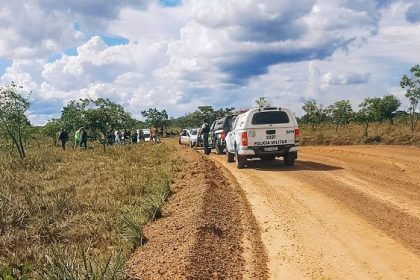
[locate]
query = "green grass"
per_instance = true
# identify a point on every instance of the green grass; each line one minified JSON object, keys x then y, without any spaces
{"x":79,"y":214}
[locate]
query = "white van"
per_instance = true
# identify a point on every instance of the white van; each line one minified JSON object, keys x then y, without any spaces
{"x":264,"y":133}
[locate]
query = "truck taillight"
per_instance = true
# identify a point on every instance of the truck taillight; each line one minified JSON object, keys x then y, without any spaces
{"x":223,"y":135}
{"x":244,"y":139}
{"x":297,"y":135}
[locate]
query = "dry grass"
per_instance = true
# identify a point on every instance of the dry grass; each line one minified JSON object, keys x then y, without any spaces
{"x":378,"y":133}
{"x":79,"y":212}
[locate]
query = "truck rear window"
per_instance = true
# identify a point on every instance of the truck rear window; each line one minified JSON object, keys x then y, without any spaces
{"x":271,"y":117}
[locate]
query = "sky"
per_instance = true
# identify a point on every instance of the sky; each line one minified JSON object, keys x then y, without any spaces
{"x":181,"y":54}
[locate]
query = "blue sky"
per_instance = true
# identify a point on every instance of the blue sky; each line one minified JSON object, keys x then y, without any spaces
{"x":177,"y":55}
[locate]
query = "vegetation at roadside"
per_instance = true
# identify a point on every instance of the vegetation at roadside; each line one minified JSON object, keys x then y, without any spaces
{"x":377,"y":120}
{"x":78,"y":214}
{"x":354,"y":134}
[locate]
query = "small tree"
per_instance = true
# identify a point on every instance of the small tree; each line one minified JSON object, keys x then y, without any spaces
{"x":369,"y":112}
{"x":73,"y":115}
{"x":13,"y":121}
{"x":261,"y":102}
{"x":341,"y":113}
{"x":412,"y":84}
{"x":314,"y":114}
{"x":388,"y":106}
{"x":155,"y":117}
{"x":51,"y":129}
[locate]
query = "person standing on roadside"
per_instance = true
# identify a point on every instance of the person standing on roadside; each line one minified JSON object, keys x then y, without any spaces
{"x":141,"y":135}
{"x":63,"y":137}
{"x":205,"y":130}
{"x":134,"y":137}
{"x":154,"y":134}
{"x":84,"y":138}
{"x":77,"y":138}
{"x":117,"y":137}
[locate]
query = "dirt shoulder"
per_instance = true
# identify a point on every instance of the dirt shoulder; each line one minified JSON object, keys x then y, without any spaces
{"x":207,"y":230}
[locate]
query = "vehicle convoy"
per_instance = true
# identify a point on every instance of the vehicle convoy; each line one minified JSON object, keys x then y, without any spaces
{"x":264,"y":133}
{"x":218,"y":131}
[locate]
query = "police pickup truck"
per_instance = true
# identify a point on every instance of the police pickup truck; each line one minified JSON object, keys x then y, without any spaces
{"x":264,"y":133}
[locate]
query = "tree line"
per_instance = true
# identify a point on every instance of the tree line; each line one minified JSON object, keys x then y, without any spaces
{"x":102,"y":115}
{"x":370,"y":110}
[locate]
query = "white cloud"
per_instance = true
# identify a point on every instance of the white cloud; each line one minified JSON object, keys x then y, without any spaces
{"x":220,"y":53}
{"x":332,"y":78}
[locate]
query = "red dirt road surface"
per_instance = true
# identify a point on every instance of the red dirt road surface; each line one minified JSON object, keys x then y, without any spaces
{"x":348,"y":212}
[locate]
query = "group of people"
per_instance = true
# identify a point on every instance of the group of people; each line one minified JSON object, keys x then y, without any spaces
{"x":117,"y":137}
{"x":80,"y":138}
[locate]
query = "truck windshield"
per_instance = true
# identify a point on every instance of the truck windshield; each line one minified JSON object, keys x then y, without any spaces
{"x":270,"y":117}
{"x":193,"y":131}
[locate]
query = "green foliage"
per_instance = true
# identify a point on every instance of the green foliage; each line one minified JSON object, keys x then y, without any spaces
{"x":73,"y":114}
{"x":154,"y":117}
{"x":104,"y":115}
{"x":99,"y":116}
{"x":62,"y":264}
{"x":132,"y":228}
{"x":341,"y":112}
{"x":51,"y":129}
{"x":370,"y":111}
{"x":314,"y":114}
{"x":412,"y":84}
{"x":14,"y":272}
{"x":261,"y":102}
{"x":13,"y":121}
{"x":388,"y":106}
{"x":202,"y":114}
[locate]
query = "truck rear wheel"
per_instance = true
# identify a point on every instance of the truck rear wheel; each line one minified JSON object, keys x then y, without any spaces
{"x":229,"y":156}
{"x":219,"y":148}
{"x":289,"y":160}
{"x":240,"y":161}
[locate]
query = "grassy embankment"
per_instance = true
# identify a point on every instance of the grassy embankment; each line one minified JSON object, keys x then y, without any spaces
{"x":353,"y":134}
{"x":79,"y":214}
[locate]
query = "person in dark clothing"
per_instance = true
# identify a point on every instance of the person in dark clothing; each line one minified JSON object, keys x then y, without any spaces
{"x":84,"y":138}
{"x":63,"y":137}
{"x":127,"y":136}
{"x":111,"y":138}
{"x":134,"y":137}
{"x":205,"y":130}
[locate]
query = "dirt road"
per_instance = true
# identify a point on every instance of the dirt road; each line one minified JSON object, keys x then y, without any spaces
{"x":348,"y":212}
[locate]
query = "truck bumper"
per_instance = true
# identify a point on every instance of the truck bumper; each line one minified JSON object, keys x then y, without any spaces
{"x":260,"y":151}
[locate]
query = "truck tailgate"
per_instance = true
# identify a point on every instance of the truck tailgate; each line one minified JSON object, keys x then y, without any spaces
{"x":273,"y":136}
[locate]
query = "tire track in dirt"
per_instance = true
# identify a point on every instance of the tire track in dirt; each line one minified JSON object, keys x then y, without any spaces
{"x":207,"y":230}
{"x":332,"y":217}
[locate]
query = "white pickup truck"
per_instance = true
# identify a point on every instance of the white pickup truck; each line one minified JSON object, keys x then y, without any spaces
{"x":264,"y":133}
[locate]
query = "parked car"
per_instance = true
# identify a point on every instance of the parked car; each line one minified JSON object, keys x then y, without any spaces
{"x":184,"y":137}
{"x":218,"y":131}
{"x":264,"y":133}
